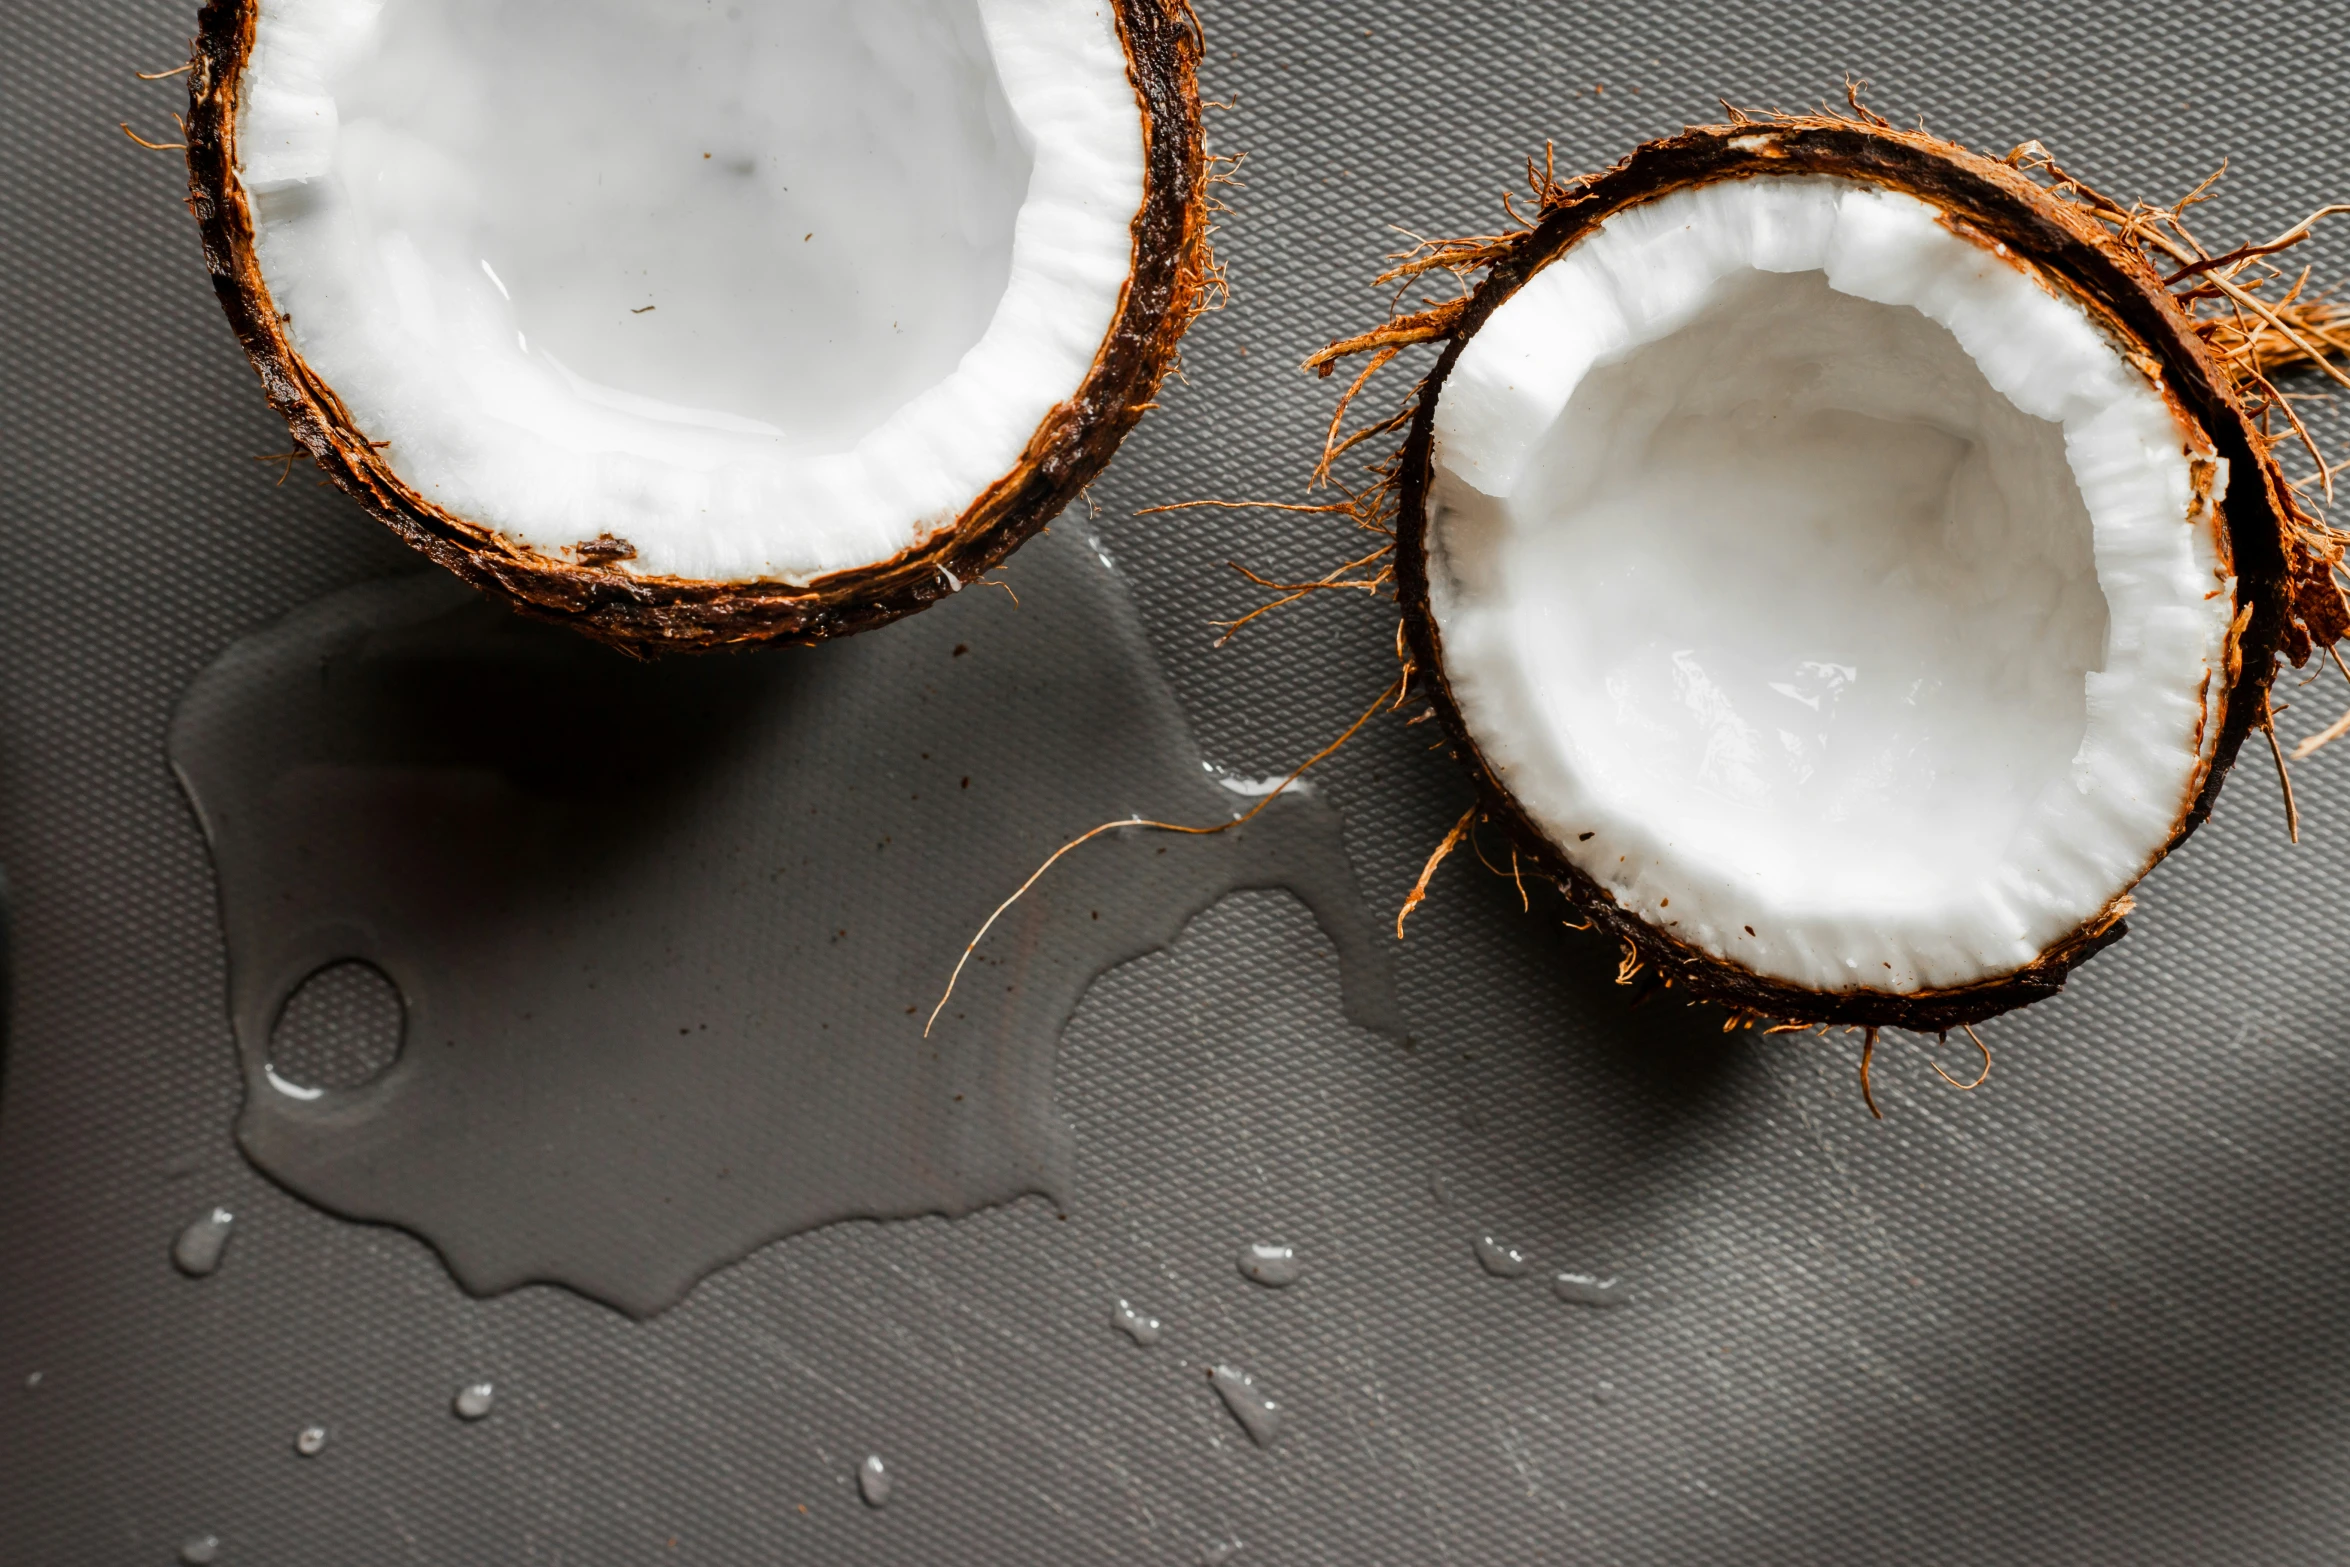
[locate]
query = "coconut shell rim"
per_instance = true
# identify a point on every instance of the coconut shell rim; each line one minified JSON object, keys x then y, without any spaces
{"x":1166,"y":285}
{"x":2123,"y":292}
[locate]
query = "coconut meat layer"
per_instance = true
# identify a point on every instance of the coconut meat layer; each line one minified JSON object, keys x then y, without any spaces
{"x":1826,"y":585}
{"x":765,"y":288}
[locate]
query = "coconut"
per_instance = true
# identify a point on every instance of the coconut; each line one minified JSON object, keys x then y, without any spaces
{"x":1845,"y":564}
{"x":710,"y":324}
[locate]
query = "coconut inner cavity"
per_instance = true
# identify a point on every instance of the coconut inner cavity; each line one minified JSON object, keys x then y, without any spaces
{"x":1801,"y":565}
{"x":768,"y":288}
{"x":800,"y":217}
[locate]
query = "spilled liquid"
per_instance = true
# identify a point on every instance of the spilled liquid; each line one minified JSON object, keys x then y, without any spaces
{"x":197,"y":1251}
{"x":1144,"y":1330}
{"x":1583,"y":1289}
{"x":474,"y":1402}
{"x":1275,"y":1267}
{"x":200,"y":1550}
{"x":666,"y":934}
{"x":874,"y":1482}
{"x":1501,"y":1260}
{"x":1250,"y":1404}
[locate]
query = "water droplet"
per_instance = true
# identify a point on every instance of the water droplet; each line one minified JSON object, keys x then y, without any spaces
{"x":1603,"y":1392}
{"x":1216,"y":1553}
{"x":1503,"y":1262}
{"x":1275,"y":1267}
{"x":1142,"y":1329}
{"x":197,"y":1251}
{"x":1582,"y":1289}
{"x":1258,"y":1415}
{"x":310,"y":1441}
{"x":200,"y":1550}
{"x":382,"y":767}
{"x":1440,"y":1188}
{"x":474,"y":1400}
{"x":873,"y":1481}
{"x":32,"y":1380}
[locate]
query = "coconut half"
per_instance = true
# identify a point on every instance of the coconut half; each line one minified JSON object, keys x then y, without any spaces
{"x":698,"y":324}
{"x":1844,"y":565}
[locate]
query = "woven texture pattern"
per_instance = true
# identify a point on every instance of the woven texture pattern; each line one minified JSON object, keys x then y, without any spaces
{"x":2090,"y":1313}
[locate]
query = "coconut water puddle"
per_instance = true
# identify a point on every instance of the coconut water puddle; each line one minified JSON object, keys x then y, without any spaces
{"x":665,"y":934}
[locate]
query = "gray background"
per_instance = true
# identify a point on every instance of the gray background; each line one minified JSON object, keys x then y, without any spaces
{"x":2090,"y":1313}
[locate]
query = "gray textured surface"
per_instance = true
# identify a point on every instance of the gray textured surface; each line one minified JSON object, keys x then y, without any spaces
{"x":2091,"y":1313}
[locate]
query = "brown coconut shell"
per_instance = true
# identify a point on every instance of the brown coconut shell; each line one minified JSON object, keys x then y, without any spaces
{"x":2275,"y":547}
{"x":1168,"y":281}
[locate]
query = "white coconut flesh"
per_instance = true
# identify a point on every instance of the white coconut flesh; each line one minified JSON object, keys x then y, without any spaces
{"x":767,"y":288}
{"x":1826,"y":585}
